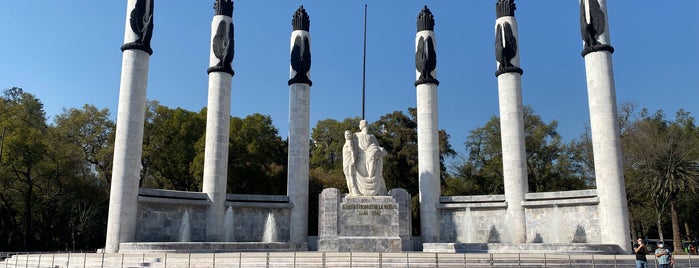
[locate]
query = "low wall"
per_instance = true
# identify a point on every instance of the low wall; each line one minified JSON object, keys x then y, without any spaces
{"x":563,"y":217}
{"x":552,"y":217}
{"x":177,"y":216}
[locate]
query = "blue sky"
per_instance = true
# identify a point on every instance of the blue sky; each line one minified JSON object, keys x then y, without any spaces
{"x":67,"y":54}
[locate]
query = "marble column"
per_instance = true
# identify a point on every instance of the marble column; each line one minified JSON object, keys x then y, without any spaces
{"x":514,"y":159}
{"x":136,"y":51}
{"x":299,"y":125}
{"x":427,"y":126}
{"x":218,"y":118}
{"x":606,"y":143}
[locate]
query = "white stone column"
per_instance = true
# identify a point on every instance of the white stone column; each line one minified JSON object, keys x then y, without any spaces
{"x":514,"y":161}
{"x":123,"y":205}
{"x":427,"y":127}
{"x":299,"y":127}
{"x":218,"y":121}
{"x":606,"y":144}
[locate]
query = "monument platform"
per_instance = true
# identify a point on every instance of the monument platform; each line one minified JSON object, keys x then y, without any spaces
{"x":364,"y":223}
{"x":533,"y":248}
{"x":209,"y":247}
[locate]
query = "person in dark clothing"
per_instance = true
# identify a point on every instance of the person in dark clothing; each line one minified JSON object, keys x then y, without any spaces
{"x":641,"y":251}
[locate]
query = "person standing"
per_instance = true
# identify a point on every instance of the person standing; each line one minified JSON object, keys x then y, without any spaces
{"x":663,"y":256}
{"x":641,"y":251}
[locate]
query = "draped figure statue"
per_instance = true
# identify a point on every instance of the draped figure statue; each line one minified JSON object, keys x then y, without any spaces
{"x":362,"y":161}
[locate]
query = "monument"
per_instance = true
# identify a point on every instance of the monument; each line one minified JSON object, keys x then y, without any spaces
{"x":586,"y":221}
{"x":606,"y":141}
{"x":217,"y":117}
{"x":362,"y":161}
{"x":427,"y":126}
{"x":299,"y":124}
{"x":514,"y":158}
{"x":368,"y":218}
{"x":128,"y":142}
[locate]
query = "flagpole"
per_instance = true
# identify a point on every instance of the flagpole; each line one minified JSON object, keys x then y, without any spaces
{"x":364,"y":66}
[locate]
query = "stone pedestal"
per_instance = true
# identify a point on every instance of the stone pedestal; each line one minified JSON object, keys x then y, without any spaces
{"x":364,"y":223}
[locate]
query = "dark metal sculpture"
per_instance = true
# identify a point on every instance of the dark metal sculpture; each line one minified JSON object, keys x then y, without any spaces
{"x":141,"y":21}
{"x":425,"y":55}
{"x":301,"y":20}
{"x":426,"y":61}
{"x":301,"y":60}
{"x":592,"y":25}
{"x":505,"y":8}
{"x":223,"y":7}
{"x":223,"y":47}
{"x":425,"y":20}
{"x":505,"y":49}
{"x":301,"y":52}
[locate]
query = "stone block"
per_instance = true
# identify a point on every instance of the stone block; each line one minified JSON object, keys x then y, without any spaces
{"x":364,"y":223}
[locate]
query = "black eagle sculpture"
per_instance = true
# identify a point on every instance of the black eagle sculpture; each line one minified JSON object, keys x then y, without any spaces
{"x":141,"y":22}
{"x":592,"y":25}
{"x":505,"y":49}
{"x":223,"y":7}
{"x":425,"y":61}
{"x":223,"y":47}
{"x":301,"y":60}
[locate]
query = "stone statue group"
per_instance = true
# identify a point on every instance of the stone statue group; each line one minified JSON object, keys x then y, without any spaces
{"x":362,"y":162}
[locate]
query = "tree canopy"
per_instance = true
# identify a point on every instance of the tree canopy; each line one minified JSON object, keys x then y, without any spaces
{"x":551,"y":164}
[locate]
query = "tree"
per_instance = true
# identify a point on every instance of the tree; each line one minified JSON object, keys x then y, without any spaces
{"x":169,"y":149}
{"x":92,"y":133}
{"x":327,"y":141}
{"x":80,"y":154}
{"x":24,"y":125}
{"x":662,"y":157}
{"x":482,"y":169}
{"x":256,"y":156}
{"x":551,"y":165}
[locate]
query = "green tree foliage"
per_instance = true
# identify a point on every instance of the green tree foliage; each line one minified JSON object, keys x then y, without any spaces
{"x":169,"y":139}
{"x":80,"y":161}
{"x":256,"y":156}
{"x":662,"y":164}
{"x":92,"y":133}
{"x":24,"y":148}
{"x":327,"y":140}
{"x":549,"y":161}
{"x":51,"y":196}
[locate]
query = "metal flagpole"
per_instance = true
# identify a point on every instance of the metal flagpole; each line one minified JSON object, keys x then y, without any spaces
{"x":364,"y":66}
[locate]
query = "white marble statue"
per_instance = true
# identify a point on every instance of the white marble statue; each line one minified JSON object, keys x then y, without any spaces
{"x":362,"y":162}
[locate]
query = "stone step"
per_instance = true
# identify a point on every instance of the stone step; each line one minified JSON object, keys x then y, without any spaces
{"x":325,"y":259}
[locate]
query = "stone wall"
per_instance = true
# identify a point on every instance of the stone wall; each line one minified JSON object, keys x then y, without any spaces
{"x":252,"y":212}
{"x":162,"y":215}
{"x":473,"y":219}
{"x":552,"y":217}
{"x":563,"y":217}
